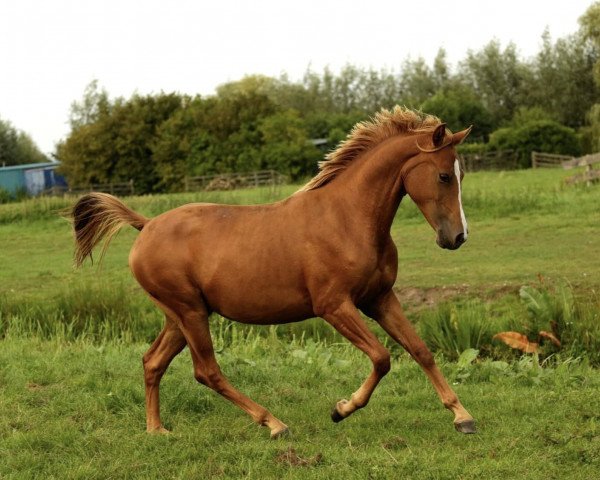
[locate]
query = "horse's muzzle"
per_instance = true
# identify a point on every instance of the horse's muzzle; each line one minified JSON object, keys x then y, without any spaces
{"x":448,"y":244}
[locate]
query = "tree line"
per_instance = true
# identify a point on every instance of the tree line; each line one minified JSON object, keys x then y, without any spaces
{"x":550,"y":102}
{"x":16,"y":147}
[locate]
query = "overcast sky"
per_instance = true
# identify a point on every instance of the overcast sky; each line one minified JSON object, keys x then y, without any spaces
{"x":51,"y":49}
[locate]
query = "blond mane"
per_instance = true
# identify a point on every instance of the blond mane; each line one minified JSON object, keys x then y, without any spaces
{"x":367,"y":134}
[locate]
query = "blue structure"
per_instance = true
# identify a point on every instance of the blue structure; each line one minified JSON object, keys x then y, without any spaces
{"x":32,"y":178}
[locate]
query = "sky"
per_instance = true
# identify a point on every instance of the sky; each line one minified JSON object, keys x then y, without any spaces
{"x":51,"y":49}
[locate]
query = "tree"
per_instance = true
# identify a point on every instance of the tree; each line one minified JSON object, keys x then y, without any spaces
{"x":562,"y":81}
{"x":16,"y":147}
{"x":116,"y":145}
{"x":212,"y":135}
{"x":459,"y":107}
{"x":590,"y":30}
{"x":285,"y":145}
{"x":417,"y":82}
{"x":496,"y":77}
{"x":94,"y":104}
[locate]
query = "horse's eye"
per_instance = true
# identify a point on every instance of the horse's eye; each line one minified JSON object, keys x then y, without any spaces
{"x":444,"y":178}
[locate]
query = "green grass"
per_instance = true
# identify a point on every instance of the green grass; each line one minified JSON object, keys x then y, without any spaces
{"x":76,"y":411}
{"x":523,"y":225}
{"x":71,"y":388}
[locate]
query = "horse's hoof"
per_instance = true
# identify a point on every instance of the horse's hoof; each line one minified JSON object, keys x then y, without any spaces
{"x":284,"y":432}
{"x":466,"y":426}
{"x":159,"y":430}
{"x":336,"y":416}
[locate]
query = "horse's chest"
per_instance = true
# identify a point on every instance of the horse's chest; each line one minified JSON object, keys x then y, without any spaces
{"x":365,"y":272}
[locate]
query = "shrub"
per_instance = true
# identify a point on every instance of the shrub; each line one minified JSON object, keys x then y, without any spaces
{"x":575,"y":321}
{"x":540,"y":136}
{"x":5,"y":196}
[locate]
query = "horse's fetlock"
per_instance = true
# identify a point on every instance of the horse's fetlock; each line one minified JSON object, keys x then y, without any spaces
{"x":451,"y":403}
{"x":357,"y":401}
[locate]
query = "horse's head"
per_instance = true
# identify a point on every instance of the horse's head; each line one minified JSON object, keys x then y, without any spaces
{"x":432,"y":178}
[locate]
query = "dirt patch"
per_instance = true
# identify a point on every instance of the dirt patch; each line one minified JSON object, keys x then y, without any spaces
{"x":291,"y":458}
{"x":34,"y":387}
{"x":414,"y":298}
{"x":395,"y":443}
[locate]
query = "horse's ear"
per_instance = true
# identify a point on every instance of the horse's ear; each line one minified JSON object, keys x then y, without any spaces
{"x":438,"y":135}
{"x":459,"y":137}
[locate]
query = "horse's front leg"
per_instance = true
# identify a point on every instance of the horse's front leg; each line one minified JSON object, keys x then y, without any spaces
{"x":387,"y":311}
{"x":346,"y":320}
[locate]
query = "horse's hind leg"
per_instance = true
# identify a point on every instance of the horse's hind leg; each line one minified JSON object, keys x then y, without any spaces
{"x":388,"y":312}
{"x":194,"y":325}
{"x":156,"y":360}
{"x":346,"y":320}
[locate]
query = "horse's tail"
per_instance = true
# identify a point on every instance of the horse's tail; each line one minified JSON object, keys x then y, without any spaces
{"x":99,"y":215}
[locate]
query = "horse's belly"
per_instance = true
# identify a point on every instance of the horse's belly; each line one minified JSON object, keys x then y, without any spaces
{"x":249,"y":304}
{"x":257,"y":295}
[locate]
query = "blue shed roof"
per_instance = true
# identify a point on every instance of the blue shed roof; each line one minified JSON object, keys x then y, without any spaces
{"x":28,"y":166}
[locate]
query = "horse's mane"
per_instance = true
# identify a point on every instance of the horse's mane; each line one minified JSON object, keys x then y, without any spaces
{"x":367,"y":134}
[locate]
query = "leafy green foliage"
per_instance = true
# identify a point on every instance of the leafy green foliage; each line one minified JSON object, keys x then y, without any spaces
{"x":286,"y":145}
{"x":540,"y":136}
{"x":452,"y":330}
{"x":117,"y":145}
{"x":575,"y":321}
{"x":17,"y":147}
{"x":497,"y":77}
{"x":460,"y":108}
{"x":264,"y":122}
{"x":590,"y":30}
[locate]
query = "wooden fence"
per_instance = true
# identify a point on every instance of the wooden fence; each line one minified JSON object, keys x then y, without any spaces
{"x":589,"y":175}
{"x":548,"y":160}
{"x":493,"y":160}
{"x":120,"y":189}
{"x":231,"y":181}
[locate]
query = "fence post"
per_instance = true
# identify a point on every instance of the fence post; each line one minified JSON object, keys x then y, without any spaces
{"x":533,"y":159}
{"x":131,"y":187}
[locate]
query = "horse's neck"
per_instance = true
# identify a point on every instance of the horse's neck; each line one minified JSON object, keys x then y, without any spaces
{"x":373,"y":186}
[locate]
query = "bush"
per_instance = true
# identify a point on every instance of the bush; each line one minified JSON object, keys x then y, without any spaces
{"x":460,"y":108}
{"x":540,"y":136}
{"x":575,"y":321}
{"x":5,"y":196}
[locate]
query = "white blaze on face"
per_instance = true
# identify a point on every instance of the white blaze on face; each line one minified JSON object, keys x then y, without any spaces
{"x":462,"y":213}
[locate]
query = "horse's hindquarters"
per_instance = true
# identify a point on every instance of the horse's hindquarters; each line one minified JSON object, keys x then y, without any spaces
{"x":236,"y":259}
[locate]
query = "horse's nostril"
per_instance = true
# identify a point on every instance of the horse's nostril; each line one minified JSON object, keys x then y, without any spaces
{"x":460,"y":239}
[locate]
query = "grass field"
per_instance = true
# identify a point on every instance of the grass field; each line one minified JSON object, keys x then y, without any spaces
{"x":71,"y":390}
{"x":76,"y":411}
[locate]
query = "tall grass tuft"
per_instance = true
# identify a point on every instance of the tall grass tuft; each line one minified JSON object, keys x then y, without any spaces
{"x":100,"y":312}
{"x":575,"y":320}
{"x":452,"y":329}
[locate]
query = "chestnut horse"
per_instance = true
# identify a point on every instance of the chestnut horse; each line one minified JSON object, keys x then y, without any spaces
{"x":325,"y":251}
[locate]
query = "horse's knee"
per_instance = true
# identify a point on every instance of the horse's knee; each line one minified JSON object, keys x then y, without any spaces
{"x":381,"y":362}
{"x":153,"y":371}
